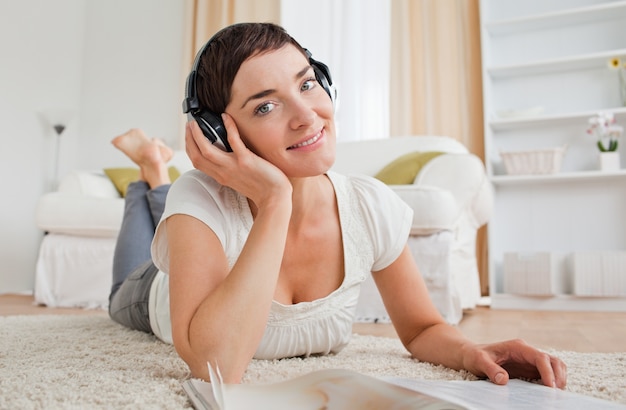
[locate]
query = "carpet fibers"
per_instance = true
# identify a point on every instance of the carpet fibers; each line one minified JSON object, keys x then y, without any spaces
{"x":72,"y":362}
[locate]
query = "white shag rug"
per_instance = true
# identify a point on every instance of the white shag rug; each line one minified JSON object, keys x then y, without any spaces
{"x":80,"y":362}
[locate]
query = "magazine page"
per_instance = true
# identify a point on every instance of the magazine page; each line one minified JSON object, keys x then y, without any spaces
{"x":516,"y":394}
{"x":325,"y":389}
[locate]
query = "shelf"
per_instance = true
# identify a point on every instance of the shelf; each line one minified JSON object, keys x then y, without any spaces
{"x":548,"y":120}
{"x":508,"y":180}
{"x":546,"y":72}
{"x":558,"y":302}
{"x":579,"y":62}
{"x":561,"y":18}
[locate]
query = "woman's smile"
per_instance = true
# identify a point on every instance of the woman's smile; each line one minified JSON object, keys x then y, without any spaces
{"x":308,"y":141}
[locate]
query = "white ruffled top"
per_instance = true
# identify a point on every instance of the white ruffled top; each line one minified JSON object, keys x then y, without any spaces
{"x":375,"y":224}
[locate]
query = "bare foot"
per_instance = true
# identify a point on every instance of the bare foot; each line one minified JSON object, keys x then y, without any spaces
{"x":166,"y":152}
{"x":151,"y":155}
{"x":133,"y":143}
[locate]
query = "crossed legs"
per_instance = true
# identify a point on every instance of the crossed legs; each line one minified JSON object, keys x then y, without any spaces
{"x":133,"y":270}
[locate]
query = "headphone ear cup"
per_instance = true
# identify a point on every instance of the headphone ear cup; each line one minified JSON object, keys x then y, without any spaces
{"x":212,"y":127}
{"x":322,"y":75}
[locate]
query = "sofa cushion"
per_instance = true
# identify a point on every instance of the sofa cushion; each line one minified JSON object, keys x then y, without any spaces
{"x":121,"y":177}
{"x":405,"y":168}
{"x":370,"y":156}
{"x":88,"y":183}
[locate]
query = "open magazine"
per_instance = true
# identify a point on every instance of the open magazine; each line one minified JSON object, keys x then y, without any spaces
{"x":324,"y":389}
{"x":336,"y":389}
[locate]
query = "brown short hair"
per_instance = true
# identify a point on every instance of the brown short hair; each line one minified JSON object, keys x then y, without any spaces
{"x":225,"y":53}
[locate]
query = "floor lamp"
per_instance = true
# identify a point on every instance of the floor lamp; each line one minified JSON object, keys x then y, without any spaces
{"x":58,"y":120}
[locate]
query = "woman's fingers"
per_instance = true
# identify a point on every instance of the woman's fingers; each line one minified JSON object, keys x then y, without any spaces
{"x":234,"y":139}
{"x":201,"y":142}
{"x":516,"y":359}
{"x":546,"y":372}
{"x":560,"y":372}
{"x":497,"y":374}
{"x":190,"y":144}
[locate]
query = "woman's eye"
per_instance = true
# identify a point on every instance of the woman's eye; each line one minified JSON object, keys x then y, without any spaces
{"x":308,"y":84}
{"x":264,"y":108}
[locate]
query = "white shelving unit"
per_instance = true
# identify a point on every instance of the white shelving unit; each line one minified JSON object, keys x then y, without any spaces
{"x":546,"y":61}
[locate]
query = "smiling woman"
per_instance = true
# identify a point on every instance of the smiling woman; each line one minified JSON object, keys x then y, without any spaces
{"x":260,"y":252}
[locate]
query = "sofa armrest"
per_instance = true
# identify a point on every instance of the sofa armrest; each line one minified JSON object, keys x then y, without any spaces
{"x":434,"y":209}
{"x":464,"y":176}
{"x":76,"y":214}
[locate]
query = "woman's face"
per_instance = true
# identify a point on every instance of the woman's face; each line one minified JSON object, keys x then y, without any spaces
{"x":283,"y":114}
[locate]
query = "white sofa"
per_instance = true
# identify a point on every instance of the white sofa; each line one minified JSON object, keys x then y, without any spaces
{"x":451,"y":198}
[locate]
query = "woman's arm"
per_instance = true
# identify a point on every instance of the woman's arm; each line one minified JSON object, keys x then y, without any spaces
{"x":428,"y":338}
{"x":219,"y":315}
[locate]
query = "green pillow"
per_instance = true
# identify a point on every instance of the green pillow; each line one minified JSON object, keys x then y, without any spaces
{"x":404,"y":169}
{"x":121,"y":177}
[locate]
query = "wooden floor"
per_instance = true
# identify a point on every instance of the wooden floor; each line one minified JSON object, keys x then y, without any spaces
{"x":574,"y":331}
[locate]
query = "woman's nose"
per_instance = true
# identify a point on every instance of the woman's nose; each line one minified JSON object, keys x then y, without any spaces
{"x":302,"y":114}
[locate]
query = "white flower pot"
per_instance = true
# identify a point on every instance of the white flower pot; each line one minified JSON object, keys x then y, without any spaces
{"x":609,"y":161}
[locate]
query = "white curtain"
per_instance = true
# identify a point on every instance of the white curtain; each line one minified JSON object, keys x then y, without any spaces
{"x":436,"y":86}
{"x":352,"y":37}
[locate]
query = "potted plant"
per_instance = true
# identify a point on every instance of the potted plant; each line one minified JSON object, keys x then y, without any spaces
{"x":602,"y":126}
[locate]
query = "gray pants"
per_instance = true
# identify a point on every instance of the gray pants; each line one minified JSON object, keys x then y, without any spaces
{"x":133,"y":270}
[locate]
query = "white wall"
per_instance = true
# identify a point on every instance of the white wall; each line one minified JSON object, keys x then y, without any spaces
{"x":115,"y":64}
{"x":132,"y":74}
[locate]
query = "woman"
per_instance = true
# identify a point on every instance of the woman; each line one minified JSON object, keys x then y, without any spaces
{"x":265,"y":248}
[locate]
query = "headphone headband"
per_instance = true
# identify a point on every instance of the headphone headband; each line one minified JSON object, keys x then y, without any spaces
{"x":191,"y":102}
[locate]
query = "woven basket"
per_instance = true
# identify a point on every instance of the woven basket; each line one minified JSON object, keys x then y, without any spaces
{"x":545,"y":161}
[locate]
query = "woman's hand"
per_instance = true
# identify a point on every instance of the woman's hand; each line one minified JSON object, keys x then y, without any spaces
{"x":241,"y":170}
{"x":514,"y":359}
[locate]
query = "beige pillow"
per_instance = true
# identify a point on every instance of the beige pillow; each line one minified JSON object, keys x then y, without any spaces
{"x":121,"y":177}
{"x":404,"y":169}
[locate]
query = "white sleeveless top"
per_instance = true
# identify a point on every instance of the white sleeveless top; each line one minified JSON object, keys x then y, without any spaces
{"x":375,"y":224}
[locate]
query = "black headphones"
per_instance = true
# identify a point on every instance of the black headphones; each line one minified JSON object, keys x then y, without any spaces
{"x":211,"y":123}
